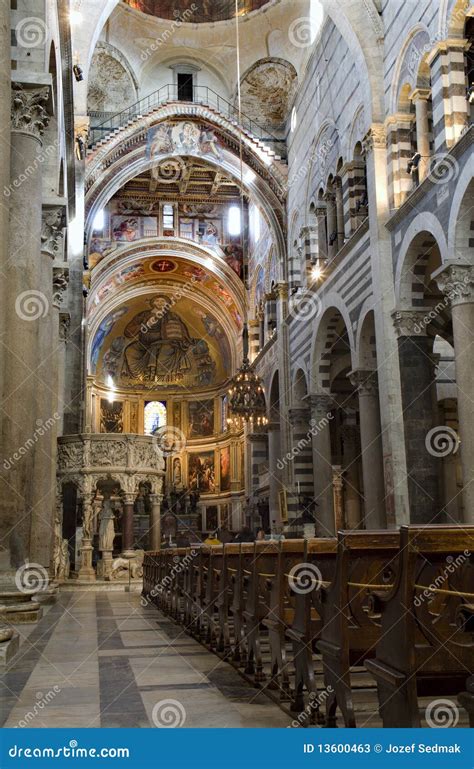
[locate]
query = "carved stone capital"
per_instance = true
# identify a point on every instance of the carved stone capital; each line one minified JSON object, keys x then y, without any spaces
{"x":52,"y":229}
{"x":456,"y":281}
{"x":365,"y":380}
{"x":420,"y":94}
{"x":299,"y":416}
{"x":28,"y":112}
{"x":412,"y":322}
{"x":81,"y":134}
{"x":320,"y":404}
{"x":375,"y":138}
{"x":60,"y":284}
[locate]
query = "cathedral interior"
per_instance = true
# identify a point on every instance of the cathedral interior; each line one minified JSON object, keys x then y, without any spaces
{"x":236,"y":362}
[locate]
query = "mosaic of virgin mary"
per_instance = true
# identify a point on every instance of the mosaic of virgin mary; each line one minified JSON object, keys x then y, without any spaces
{"x":160,"y":346}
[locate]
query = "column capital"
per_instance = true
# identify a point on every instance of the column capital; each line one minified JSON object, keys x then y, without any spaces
{"x":320,"y":209}
{"x":412,"y":322}
{"x":329,"y":197}
{"x":52,"y":228}
{"x":129,"y":498}
{"x":364,"y":380}
{"x":456,"y":281}
{"x":320,"y":404}
{"x":375,"y":138}
{"x":60,"y":284}
{"x":420,"y":94}
{"x":282,"y":290}
{"x":28,"y":110}
{"x":81,"y":134}
{"x":298,"y":415}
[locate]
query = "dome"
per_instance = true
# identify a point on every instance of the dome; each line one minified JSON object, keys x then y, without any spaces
{"x":208,"y":10}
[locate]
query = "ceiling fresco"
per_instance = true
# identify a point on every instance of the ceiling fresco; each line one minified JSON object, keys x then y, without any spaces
{"x":175,"y":276}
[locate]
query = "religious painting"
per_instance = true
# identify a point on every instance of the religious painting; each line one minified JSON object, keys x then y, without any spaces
{"x":177,"y":415}
{"x":200,"y":419}
{"x":183,"y":138}
{"x":130,"y":273}
{"x":225,"y":513}
{"x":201,"y":472}
{"x":126,"y":228}
{"x":111,"y":416}
{"x":225,"y":468}
{"x":267,"y":91}
{"x":283,"y":505}
{"x":210,"y":232}
{"x":177,"y":475}
{"x":233,"y":256}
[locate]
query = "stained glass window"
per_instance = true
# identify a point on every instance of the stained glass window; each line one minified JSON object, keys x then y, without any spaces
{"x":155,"y":416}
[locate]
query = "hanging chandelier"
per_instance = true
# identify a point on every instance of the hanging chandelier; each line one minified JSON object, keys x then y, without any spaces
{"x":246,"y":395}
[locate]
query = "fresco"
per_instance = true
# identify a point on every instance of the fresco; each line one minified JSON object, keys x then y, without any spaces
{"x":200,"y":419}
{"x":111,"y":416}
{"x":201,"y":472}
{"x":184,"y":138}
{"x":225,"y":468}
{"x":103,"y":331}
{"x":267,"y":91}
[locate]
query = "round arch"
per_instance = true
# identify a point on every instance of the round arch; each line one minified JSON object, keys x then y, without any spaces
{"x":424,"y":222}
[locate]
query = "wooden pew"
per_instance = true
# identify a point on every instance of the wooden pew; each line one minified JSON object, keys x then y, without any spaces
{"x":348,"y":631}
{"x":257,"y":603}
{"x":239,"y":574}
{"x":304,"y":577}
{"x":426,"y":646}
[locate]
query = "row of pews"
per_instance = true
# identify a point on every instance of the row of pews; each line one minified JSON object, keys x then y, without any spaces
{"x":305,"y":619}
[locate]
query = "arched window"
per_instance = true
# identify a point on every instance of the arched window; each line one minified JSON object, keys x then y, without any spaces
{"x":155,"y":416}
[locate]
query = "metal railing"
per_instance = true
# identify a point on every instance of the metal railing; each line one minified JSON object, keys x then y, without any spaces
{"x":203,"y":95}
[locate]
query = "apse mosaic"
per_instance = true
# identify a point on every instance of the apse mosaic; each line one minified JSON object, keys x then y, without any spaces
{"x":155,"y":343}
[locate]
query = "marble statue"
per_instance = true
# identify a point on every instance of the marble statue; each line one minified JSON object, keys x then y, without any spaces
{"x":107,"y":528}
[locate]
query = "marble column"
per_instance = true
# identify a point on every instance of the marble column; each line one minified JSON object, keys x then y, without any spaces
{"x":381,"y":258}
{"x":331,"y":224}
{"x":53,"y":283}
{"x":274,"y":455}
{"x":418,"y":382}
{"x":322,"y":234}
{"x":127,"y":524}
{"x":321,"y":417}
{"x":301,"y":461}
{"x":155,"y":522}
{"x":456,"y":280}
{"x":25,"y":306}
{"x":351,"y":453}
{"x":420,"y":98}
{"x":339,"y":214}
{"x":371,"y":448}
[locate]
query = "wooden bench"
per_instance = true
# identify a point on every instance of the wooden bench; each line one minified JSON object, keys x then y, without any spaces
{"x":349,"y":631}
{"x":426,"y":646}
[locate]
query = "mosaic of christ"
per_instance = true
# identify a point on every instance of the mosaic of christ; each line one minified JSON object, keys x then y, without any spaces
{"x":157,"y":347}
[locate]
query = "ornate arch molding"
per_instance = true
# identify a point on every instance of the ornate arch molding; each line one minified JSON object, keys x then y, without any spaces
{"x":325,"y":153}
{"x":417,"y":44}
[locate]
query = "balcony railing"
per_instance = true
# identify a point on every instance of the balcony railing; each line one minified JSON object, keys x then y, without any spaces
{"x":101,"y":128}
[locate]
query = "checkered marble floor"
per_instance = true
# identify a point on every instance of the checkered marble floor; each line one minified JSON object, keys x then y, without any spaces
{"x":103,"y":660}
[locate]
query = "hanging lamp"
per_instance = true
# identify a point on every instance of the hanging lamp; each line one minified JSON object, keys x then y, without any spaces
{"x":246,"y":394}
